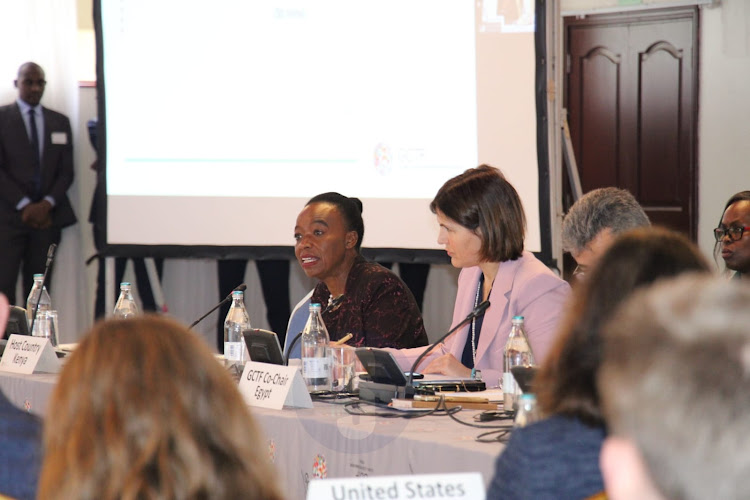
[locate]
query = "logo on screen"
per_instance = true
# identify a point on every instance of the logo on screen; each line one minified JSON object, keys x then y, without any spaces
{"x":383,"y":159}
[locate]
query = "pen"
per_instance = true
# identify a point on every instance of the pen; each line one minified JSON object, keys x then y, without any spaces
{"x":343,"y":339}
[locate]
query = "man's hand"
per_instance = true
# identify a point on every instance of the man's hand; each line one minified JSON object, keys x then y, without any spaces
{"x":37,"y":215}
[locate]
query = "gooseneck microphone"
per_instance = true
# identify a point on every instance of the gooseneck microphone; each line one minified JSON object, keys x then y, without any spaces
{"x":50,"y":258}
{"x":477,"y":312}
{"x":330,"y":307}
{"x":239,"y":288}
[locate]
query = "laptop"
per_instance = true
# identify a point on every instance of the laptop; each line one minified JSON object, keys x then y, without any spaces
{"x":382,"y":368}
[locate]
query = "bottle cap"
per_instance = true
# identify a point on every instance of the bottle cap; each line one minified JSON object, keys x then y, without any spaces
{"x":517,"y":319}
{"x":124,"y":284}
{"x":314,"y":306}
{"x":237,"y":293}
{"x":38,"y":276}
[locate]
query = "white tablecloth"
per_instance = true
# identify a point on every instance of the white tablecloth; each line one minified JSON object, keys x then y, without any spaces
{"x":28,"y":392}
{"x":325,"y":441}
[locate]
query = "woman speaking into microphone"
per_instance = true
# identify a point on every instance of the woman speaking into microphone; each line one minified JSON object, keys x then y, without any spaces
{"x":482,"y":226}
{"x":358,"y":297}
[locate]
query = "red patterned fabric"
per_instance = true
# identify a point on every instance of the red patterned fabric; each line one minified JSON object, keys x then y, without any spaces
{"x":377,"y":308}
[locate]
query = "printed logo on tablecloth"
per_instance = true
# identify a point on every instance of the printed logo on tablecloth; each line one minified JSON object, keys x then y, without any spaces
{"x":272,"y":451}
{"x":305,"y":480}
{"x":320,"y":471}
{"x":361,"y":469}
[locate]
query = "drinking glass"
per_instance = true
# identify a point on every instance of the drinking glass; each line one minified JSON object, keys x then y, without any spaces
{"x":343,"y":367}
{"x":50,"y":329}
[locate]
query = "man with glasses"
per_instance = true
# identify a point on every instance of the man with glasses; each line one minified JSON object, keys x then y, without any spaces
{"x":593,"y":221}
{"x":36,"y":170}
{"x":733,"y":235}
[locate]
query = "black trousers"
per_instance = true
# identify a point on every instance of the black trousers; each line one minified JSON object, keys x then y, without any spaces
{"x":141,"y":281}
{"x":23,"y":249}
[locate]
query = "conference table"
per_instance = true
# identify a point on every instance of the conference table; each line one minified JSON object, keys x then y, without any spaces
{"x":326,"y":441}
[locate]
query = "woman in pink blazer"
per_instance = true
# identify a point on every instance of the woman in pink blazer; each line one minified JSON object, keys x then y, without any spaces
{"x":482,"y":226}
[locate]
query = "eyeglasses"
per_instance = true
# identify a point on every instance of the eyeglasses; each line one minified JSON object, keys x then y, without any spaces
{"x":735,"y":232}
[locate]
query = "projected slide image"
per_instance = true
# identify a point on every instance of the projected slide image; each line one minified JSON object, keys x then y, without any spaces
{"x":320,"y":93}
{"x":252,"y":107}
{"x":508,"y":16}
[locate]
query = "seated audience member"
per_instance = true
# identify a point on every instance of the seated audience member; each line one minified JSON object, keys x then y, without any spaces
{"x":20,"y":440}
{"x":733,"y":235}
{"x":675,"y":391}
{"x":594,"y":220}
{"x":356,"y":296}
{"x":482,"y":225}
{"x":143,"y":410}
{"x":558,"y":457}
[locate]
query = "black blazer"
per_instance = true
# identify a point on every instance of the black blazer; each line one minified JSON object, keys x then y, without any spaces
{"x":16,"y":163}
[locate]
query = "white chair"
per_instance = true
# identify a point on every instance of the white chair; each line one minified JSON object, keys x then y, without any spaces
{"x":296,"y":324}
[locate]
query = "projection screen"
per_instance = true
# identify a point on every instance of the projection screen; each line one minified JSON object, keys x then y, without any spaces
{"x":218,"y":120}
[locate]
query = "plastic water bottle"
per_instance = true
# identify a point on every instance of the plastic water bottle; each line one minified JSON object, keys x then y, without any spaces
{"x":235,"y":323}
{"x":528,"y":412}
{"x":316,"y":354}
{"x":126,"y":306}
{"x":517,"y":353}
{"x":45,"y":303}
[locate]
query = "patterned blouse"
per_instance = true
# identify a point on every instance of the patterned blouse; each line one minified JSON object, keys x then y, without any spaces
{"x":377,"y":308}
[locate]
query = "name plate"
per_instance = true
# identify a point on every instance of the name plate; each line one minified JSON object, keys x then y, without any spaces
{"x":468,"y":486}
{"x":25,"y":354}
{"x":273,"y":386}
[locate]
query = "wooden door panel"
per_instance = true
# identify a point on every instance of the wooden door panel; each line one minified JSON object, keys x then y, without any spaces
{"x":631,"y":102}
{"x":665,"y":101}
{"x":659,"y":128}
{"x":599,"y":130}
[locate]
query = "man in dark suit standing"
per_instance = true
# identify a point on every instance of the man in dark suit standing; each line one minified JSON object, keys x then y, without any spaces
{"x":36,"y":170}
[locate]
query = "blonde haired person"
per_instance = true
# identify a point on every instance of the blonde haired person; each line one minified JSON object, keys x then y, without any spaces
{"x":142,"y":410}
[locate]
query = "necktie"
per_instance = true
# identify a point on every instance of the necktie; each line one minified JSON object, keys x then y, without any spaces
{"x":37,"y":179}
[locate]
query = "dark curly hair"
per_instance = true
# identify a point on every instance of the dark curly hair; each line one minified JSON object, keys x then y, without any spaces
{"x":350,"y":208}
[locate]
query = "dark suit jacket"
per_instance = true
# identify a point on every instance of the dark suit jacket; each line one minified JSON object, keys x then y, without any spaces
{"x":16,"y":163}
{"x":20,"y":453}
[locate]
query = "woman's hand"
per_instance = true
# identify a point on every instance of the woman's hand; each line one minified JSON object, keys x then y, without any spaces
{"x":447,"y":364}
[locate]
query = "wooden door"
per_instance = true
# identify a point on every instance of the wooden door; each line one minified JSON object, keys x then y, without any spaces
{"x":632,"y":104}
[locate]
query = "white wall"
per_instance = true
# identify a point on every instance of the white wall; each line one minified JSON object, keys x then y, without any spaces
{"x":724,"y":116}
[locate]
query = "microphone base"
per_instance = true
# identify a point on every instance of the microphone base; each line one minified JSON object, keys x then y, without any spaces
{"x":375,"y":392}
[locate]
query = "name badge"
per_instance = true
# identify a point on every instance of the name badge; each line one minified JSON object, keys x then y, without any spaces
{"x":25,"y":354}
{"x":273,"y":386}
{"x":59,"y":138}
{"x":466,"y":485}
